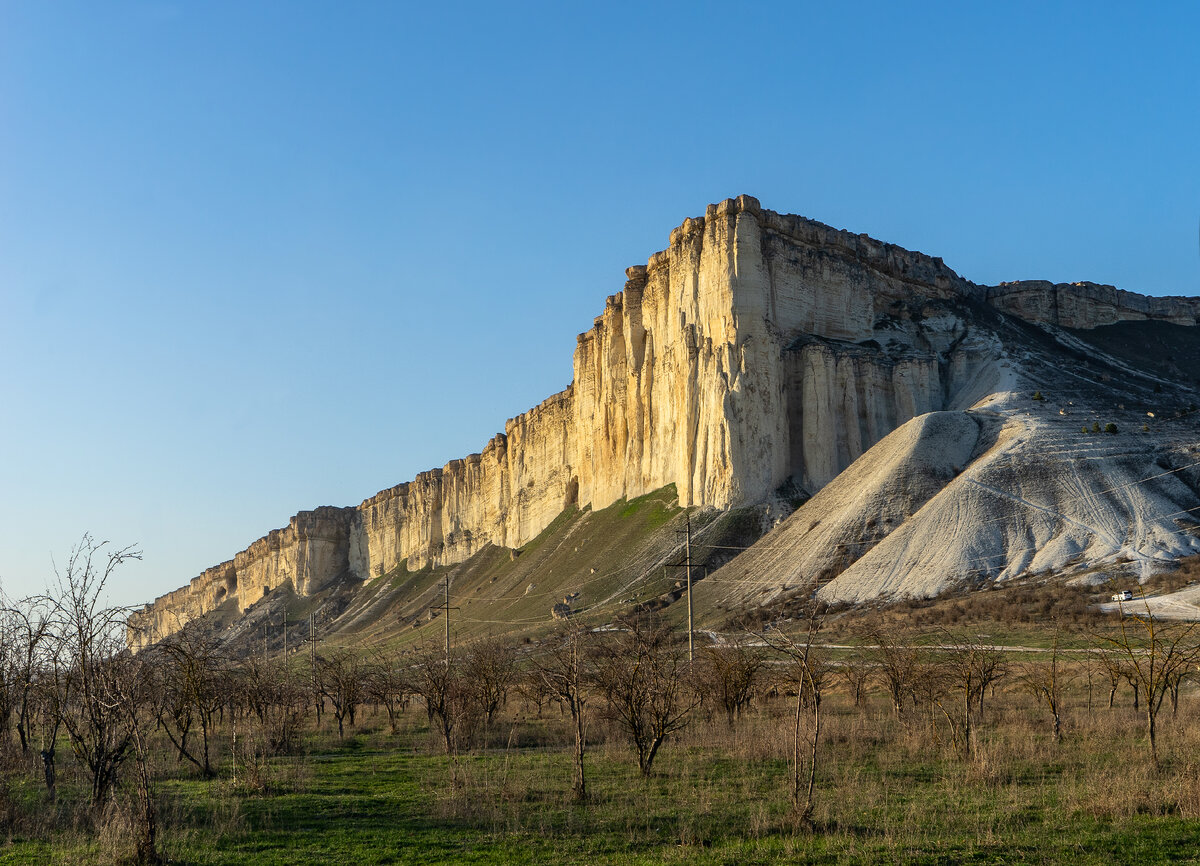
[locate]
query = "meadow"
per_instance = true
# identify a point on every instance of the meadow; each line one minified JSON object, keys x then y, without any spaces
{"x":889,"y":785}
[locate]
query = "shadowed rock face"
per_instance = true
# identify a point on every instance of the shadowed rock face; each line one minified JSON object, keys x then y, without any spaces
{"x":1087,"y":305}
{"x":757,"y":349}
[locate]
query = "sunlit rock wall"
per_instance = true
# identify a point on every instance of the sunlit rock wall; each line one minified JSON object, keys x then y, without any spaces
{"x":309,"y":553}
{"x":755,"y":349}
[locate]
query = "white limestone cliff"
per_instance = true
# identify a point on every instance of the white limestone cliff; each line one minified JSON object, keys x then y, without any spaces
{"x":757,"y":348}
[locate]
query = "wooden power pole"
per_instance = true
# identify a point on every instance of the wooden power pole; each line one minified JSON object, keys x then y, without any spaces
{"x":447,"y":608}
{"x":688,"y":560}
{"x":687,"y":564}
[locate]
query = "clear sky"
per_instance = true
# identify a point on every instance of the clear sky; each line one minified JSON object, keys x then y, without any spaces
{"x":259,"y":257}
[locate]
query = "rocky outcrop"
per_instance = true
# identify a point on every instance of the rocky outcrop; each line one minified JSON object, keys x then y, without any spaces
{"x":756,"y":350}
{"x":310,"y":553}
{"x":1087,"y":305}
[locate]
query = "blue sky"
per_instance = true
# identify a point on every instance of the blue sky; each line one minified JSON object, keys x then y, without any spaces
{"x":259,"y":257}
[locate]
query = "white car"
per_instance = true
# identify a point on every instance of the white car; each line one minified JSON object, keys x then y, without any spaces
{"x":1124,"y":595}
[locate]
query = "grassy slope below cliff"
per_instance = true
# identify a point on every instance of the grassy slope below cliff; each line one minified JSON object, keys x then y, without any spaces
{"x":600,"y":563}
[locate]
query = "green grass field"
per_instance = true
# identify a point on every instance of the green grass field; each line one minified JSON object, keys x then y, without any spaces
{"x":888,"y":789}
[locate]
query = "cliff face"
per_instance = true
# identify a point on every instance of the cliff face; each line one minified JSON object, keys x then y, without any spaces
{"x":1087,"y":305}
{"x":756,"y":348}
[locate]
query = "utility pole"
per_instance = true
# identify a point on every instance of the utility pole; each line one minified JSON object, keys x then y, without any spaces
{"x":687,"y":563}
{"x":691,"y":631}
{"x":312,"y":660}
{"x":287,"y":668}
{"x":447,"y":608}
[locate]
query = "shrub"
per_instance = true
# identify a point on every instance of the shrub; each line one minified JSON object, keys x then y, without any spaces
{"x":1110,"y":427}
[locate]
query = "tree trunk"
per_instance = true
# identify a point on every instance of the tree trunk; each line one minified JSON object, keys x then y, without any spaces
{"x":966,"y":725}
{"x":147,"y":819}
{"x":208,"y":770}
{"x":579,"y":789}
{"x":806,"y":814}
{"x":49,"y":771}
{"x":1150,"y":729}
{"x":796,"y":751}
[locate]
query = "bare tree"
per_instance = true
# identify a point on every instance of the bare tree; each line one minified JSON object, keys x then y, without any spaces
{"x":24,"y":638}
{"x":729,"y":674}
{"x":1046,"y":683}
{"x":340,"y":679}
{"x":438,"y":680}
{"x":388,"y":682}
{"x":641,"y":674}
{"x":193,"y":689}
{"x":89,"y":637}
{"x":1153,"y":655}
{"x":562,"y":672}
{"x":898,"y":664}
{"x":857,"y":671}
{"x":1110,"y":663}
{"x":46,"y":713}
{"x":130,"y":690}
{"x":806,"y":673}
{"x":490,"y":670}
{"x":103,"y":692}
{"x":968,"y":668}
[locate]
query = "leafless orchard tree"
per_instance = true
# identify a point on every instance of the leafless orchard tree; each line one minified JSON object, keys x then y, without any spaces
{"x":562,"y":672}
{"x":103,"y":693}
{"x":806,"y":672}
{"x":898,"y":664}
{"x":47,"y":715}
{"x":193,"y":686}
{"x":340,"y":678}
{"x":266,"y":691}
{"x":490,"y":670}
{"x":24,"y":639}
{"x":388,"y":682}
{"x":1113,"y":669}
{"x":857,"y":671}
{"x":967,"y":668}
{"x":439,"y":682}
{"x":728,"y":675}
{"x":131,"y":688}
{"x":642,"y":674}
{"x":1153,"y":655}
{"x":1045,"y":682}
{"x":89,"y":637}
